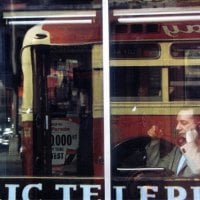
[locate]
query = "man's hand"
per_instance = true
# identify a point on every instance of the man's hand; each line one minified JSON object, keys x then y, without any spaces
{"x":155,"y":131}
{"x":191,"y":135}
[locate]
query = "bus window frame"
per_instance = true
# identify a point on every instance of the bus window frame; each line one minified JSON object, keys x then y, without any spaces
{"x":120,"y":46}
{"x":140,"y":96}
{"x":185,"y":51}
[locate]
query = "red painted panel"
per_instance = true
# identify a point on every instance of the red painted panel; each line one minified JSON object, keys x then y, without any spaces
{"x":127,"y":127}
{"x":166,"y":31}
{"x":27,"y":148}
{"x":98,"y":147}
{"x":73,"y":33}
{"x":92,"y":33}
{"x":124,"y":127}
{"x":76,"y":33}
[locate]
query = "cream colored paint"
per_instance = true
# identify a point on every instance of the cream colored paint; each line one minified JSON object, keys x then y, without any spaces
{"x":29,"y":40}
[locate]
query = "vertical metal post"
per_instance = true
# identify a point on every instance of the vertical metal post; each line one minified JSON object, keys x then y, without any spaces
{"x":106,"y":100}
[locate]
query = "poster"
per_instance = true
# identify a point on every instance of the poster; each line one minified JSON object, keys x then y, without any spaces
{"x":64,"y":142}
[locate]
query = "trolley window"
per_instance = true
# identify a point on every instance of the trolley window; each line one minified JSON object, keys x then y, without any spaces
{"x":135,"y":83}
{"x":184,"y":83}
{"x":130,"y":50}
{"x":189,"y":50}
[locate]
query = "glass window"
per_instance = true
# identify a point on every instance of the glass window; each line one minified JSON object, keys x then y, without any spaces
{"x":60,"y":123}
{"x":10,"y":96}
{"x":184,"y":83}
{"x":55,"y":139}
{"x":135,"y":83}
{"x":153,"y":98}
{"x":69,"y":99}
{"x":188,"y":49}
{"x":132,"y":51}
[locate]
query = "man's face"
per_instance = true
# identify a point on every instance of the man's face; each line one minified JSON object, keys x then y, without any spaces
{"x":185,"y":122}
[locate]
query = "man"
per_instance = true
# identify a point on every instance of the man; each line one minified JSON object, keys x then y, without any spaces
{"x":184,"y":159}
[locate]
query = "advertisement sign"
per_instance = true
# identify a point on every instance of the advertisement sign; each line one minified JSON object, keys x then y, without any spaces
{"x":64,"y":142}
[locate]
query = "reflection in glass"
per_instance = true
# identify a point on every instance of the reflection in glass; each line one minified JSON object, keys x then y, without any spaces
{"x":68,"y":102}
{"x":135,"y":83}
{"x":184,"y":83}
